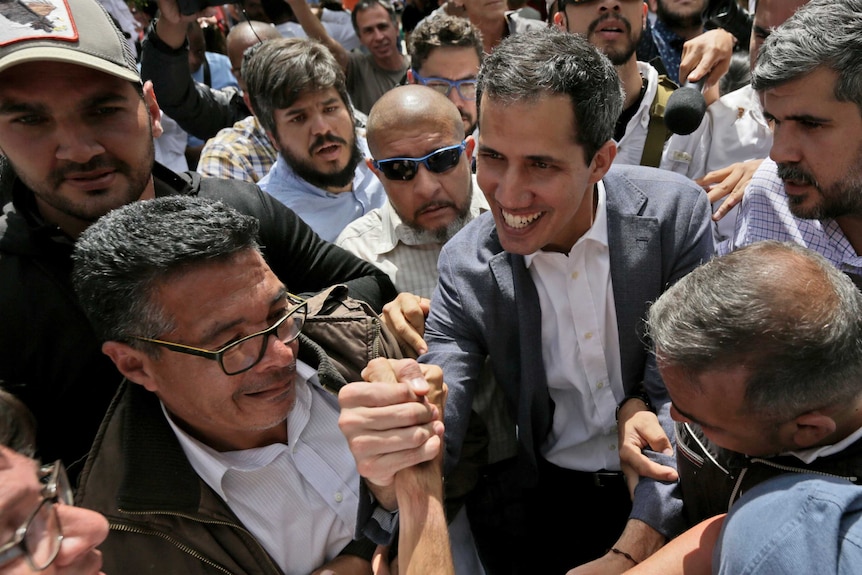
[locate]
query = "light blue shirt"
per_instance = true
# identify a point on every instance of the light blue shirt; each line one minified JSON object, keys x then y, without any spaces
{"x":326,"y":212}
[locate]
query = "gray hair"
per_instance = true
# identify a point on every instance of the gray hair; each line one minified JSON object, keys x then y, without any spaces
{"x":532,"y":64}
{"x":122,"y":258}
{"x":277,"y":72}
{"x":782,"y":311}
{"x":821,"y":33}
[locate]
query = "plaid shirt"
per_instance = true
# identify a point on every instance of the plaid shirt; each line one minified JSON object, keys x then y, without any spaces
{"x":765,"y":215}
{"x":241,"y":152}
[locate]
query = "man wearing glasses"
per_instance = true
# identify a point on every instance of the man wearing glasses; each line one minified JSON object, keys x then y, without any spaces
{"x":222,"y":451}
{"x":445,"y":54}
{"x":42,"y":530}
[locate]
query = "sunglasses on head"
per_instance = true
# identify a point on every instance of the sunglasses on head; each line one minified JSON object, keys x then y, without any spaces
{"x":438,"y":161}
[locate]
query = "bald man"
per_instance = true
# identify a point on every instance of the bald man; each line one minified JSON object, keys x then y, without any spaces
{"x":422,"y":157}
{"x":242,"y":151}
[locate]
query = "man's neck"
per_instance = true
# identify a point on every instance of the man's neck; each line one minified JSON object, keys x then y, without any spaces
{"x":632,"y":81}
{"x":392,"y":63}
{"x":852,"y":227}
{"x":686,"y":33}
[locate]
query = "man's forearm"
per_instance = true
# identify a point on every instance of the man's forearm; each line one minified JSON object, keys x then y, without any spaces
{"x":423,"y":541}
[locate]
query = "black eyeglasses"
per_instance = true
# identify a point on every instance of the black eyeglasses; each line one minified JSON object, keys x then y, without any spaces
{"x":39,"y":538}
{"x":466,"y":88}
{"x":244,"y":354}
{"x":438,"y":161}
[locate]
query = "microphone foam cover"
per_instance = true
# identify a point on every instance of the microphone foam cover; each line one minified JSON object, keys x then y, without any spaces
{"x":684,"y":111}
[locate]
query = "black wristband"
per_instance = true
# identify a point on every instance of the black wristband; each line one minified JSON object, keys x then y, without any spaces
{"x":641,"y":396}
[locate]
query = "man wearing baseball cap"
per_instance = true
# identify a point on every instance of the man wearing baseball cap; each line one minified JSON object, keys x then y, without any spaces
{"x":76,"y":141}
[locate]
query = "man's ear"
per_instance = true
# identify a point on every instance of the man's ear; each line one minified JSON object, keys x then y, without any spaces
{"x":471,"y":147}
{"x":153,"y":108}
{"x":370,"y":163}
{"x":134,"y":364}
{"x":560,"y":21}
{"x":602,"y":161}
{"x":812,"y":428}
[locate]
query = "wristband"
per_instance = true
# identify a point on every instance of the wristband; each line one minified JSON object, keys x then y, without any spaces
{"x":641,"y":396}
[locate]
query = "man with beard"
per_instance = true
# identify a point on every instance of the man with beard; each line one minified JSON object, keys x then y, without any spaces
{"x":298,"y":94}
{"x":810,"y":191}
{"x":445,"y":54}
{"x":369,"y":73}
{"x":422,"y":157}
{"x":676,"y":22}
{"x":76,"y":140}
{"x":615,"y":28}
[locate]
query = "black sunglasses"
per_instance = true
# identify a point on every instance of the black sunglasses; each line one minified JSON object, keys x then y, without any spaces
{"x":438,"y":161}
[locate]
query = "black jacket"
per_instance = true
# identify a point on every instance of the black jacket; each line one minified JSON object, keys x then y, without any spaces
{"x":52,"y":359}
{"x":163,"y":517}
{"x":712,"y":478}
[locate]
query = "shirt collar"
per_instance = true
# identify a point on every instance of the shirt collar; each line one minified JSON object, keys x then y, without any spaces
{"x":598,"y":232}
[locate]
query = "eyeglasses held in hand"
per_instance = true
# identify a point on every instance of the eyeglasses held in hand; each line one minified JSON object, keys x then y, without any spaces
{"x":245,"y":353}
{"x":466,"y":88}
{"x":438,"y":161}
{"x":39,"y":538}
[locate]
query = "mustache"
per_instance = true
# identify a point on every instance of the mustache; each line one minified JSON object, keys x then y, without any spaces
{"x":794,"y":173}
{"x":97,"y":163}
{"x":271,"y":381}
{"x":320,"y":141}
{"x":609,"y":16}
{"x":434,"y":204}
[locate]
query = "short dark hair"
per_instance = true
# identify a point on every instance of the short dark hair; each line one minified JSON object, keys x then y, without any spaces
{"x":782,"y":311}
{"x":535,"y":63}
{"x":443,"y":31}
{"x":121,"y":259}
{"x":278,"y":71}
{"x":363,"y":5}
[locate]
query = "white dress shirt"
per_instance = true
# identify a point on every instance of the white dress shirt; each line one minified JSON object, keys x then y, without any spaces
{"x":581,"y":350}
{"x":298,"y":500}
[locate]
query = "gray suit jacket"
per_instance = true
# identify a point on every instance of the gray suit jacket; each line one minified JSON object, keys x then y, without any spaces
{"x":486,"y":304}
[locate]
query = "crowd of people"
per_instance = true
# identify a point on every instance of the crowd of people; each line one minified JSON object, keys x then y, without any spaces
{"x":306,"y":287}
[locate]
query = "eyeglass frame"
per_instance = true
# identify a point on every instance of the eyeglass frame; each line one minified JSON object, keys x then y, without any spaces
{"x":56,"y":490}
{"x":218,"y":355}
{"x":452,"y":84}
{"x":423,"y":160}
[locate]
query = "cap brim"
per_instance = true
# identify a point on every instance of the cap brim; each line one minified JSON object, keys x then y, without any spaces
{"x":66,"y":55}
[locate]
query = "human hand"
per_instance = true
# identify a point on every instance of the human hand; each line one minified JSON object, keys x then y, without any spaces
{"x":706,"y":56}
{"x":728,"y":183}
{"x":639,"y":429}
{"x":405,"y":317}
{"x":392,"y":420}
{"x":638,"y":540}
{"x":347,"y":565}
{"x":172,"y":25}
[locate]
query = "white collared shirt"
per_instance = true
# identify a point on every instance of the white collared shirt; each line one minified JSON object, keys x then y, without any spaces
{"x":580,"y":348}
{"x":298,"y":500}
{"x":381,"y":238}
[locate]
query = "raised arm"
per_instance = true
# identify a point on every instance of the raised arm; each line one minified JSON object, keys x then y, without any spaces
{"x":315,"y":29}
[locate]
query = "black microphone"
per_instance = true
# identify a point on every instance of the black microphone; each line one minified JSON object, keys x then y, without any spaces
{"x":685,"y":108}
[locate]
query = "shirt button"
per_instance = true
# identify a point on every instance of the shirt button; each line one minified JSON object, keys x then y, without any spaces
{"x":339,"y":497}
{"x":588,"y":335}
{"x":600,"y":385}
{"x":574,"y":275}
{"x":612,"y":447}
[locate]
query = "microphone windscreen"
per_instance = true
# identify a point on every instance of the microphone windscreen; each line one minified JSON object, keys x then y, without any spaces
{"x":684,"y":110}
